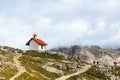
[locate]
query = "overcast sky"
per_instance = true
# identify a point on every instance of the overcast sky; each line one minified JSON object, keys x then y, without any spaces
{"x":60,"y":22}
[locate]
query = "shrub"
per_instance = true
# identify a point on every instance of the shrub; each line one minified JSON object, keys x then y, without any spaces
{"x":26,"y":76}
{"x":8,"y":71}
{"x":30,"y":65}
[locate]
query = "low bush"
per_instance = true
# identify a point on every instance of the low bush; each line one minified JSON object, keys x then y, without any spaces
{"x":44,"y":55}
{"x":8,"y":71}
{"x":30,"y":64}
{"x":26,"y":76}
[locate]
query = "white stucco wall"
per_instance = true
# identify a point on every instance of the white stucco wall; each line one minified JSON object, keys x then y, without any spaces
{"x":36,"y":46}
{"x":42,"y":49}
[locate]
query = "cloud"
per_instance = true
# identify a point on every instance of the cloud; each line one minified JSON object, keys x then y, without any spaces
{"x":13,"y":32}
{"x":61,"y":22}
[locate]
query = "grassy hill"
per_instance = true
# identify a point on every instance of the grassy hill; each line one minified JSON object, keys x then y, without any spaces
{"x":16,"y":64}
{"x":39,"y":66}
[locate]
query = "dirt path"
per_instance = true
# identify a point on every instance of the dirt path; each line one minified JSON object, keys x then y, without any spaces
{"x":20,"y":68}
{"x":85,"y":68}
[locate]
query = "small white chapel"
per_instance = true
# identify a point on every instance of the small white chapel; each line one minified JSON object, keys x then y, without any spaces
{"x":36,"y":44}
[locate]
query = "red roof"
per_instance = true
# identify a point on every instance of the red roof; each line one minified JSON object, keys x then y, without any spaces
{"x":39,"y":41}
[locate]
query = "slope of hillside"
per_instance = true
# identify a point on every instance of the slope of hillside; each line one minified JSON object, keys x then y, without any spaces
{"x":96,"y":73}
{"x":16,"y":64}
{"x":84,"y":69}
